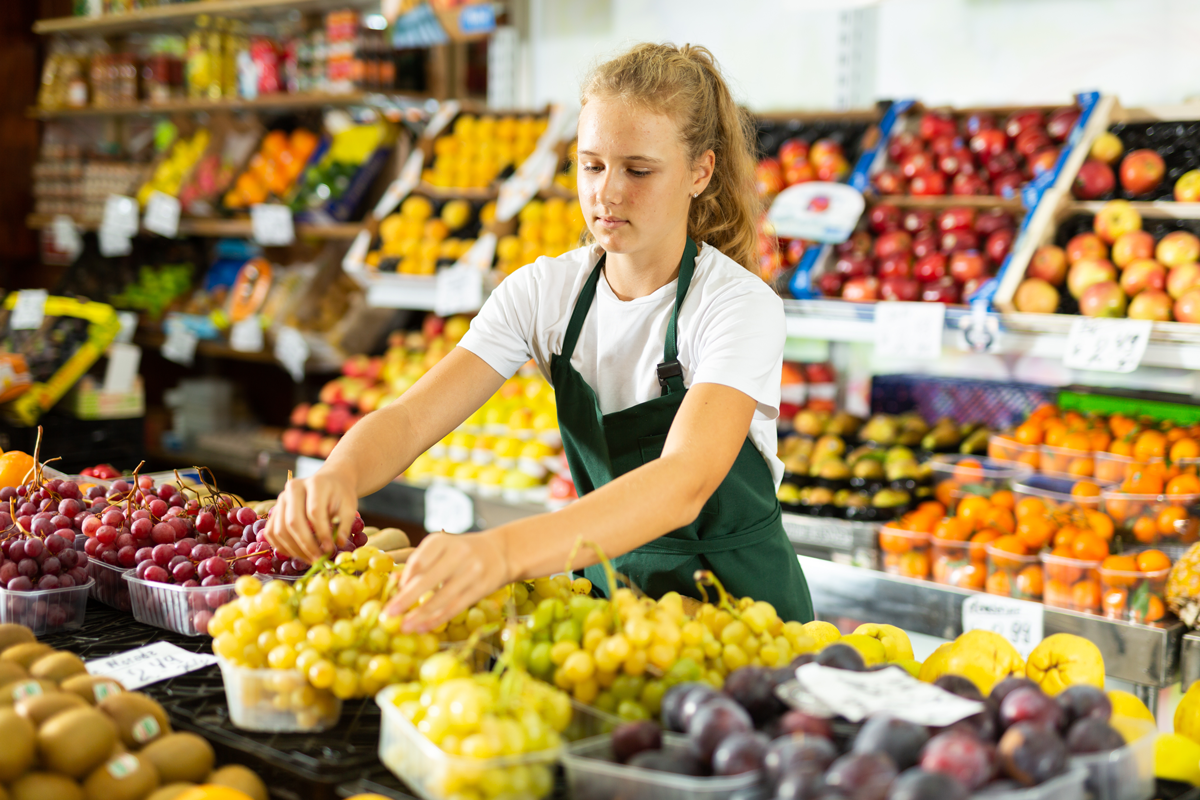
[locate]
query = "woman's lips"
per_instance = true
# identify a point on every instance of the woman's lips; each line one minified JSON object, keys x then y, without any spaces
{"x":611,"y":223}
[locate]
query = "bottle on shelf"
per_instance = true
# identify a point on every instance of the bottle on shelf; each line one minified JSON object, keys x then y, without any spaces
{"x":199,"y":65}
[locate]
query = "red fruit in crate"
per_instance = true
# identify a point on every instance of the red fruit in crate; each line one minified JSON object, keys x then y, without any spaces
{"x":900,"y":288}
{"x":1008,"y":185}
{"x":913,"y":163}
{"x":1142,"y":171}
{"x":917,"y":220}
{"x":1030,"y":140}
{"x":310,"y":444}
{"x":1095,"y":179}
{"x":943,"y":145}
{"x":1132,"y":246}
{"x":890,"y":181}
{"x":800,"y":172}
{"x":1086,"y":245}
{"x":1086,"y":273}
{"x":943,"y":290}
{"x":932,"y":267}
{"x":791,"y":151}
{"x":1152,"y":304}
{"x":967,"y":265}
{"x":830,"y":284}
{"x":853,"y":265}
{"x":768,"y":177}
{"x":326,"y":446}
{"x":972,"y":286}
{"x":1061,"y":121}
{"x":999,"y":245}
{"x":818,"y":373}
{"x":957,"y":162}
{"x":1187,"y":307}
{"x":291,"y":439}
{"x":988,"y":144}
{"x":927,"y":184}
{"x":979,"y":121}
{"x":1178,"y":247}
{"x":893,"y":243}
{"x":859,"y":242}
{"x":834,"y":170}
{"x":992,"y":220}
{"x":861,"y":289}
{"x":1182,"y":278}
{"x":895,"y":266}
{"x":1000,"y":164}
{"x":770,"y":265}
{"x":1036,"y":296}
{"x":925,"y":244}
{"x":1043,"y":161}
{"x":1187,"y":188}
{"x":1117,"y":217}
{"x":883,"y":218}
{"x":1103,"y":299}
{"x":958,"y":218}
{"x":959,"y":240}
{"x":934,"y":124}
{"x":299,"y":415}
{"x":968,"y":185}
{"x":1021,"y":121}
{"x":902,"y":144}
{"x":1048,"y":263}
{"x":794,"y":251}
{"x":962,"y":756}
{"x":825,"y":151}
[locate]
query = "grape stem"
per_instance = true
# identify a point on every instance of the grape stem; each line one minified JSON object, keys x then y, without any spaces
{"x":705,"y":576}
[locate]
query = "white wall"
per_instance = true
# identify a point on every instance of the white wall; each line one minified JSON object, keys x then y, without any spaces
{"x":783,"y":54}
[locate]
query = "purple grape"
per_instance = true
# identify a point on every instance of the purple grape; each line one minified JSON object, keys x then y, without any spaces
{"x":246,"y":516}
{"x":181,"y":525}
{"x":79,"y":575}
{"x":162,"y":533}
{"x":225,"y":552}
{"x":69,"y":490}
{"x":27,"y":567}
{"x":144,"y":554}
{"x":126,"y":540}
{"x":48,"y":582}
{"x":162,"y":554}
{"x":51,"y":566}
{"x":110,"y":557}
{"x":243,"y":566}
{"x":69,"y":507}
{"x":66,"y":582}
{"x":141,"y":528}
{"x":156,"y":574}
{"x":262,"y":566}
{"x":33,"y":547}
{"x":107,"y":534}
{"x":191,"y":584}
{"x":203,"y":552}
{"x":177,"y":560}
{"x":184,"y":546}
{"x":16,"y":550}
{"x":7,"y":493}
{"x":127,"y":557}
{"x":157,"y":508}
{"x":8,"y":571}
{"x":26,"y":509}
{"x":213,"y":580}
{"x":121,"y":486}
{"x":56,"y":543}
{"x":95,"y":493}
{"x":183,"y":571}
{"x":20,"y":583}
{"x":217,"y":566}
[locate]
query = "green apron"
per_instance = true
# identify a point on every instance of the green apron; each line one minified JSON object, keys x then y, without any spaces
{"x":739,"y":534}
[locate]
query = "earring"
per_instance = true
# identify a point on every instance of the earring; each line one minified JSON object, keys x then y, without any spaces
{"x":697,"y":194}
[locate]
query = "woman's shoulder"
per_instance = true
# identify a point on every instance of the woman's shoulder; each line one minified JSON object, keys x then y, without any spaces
{"x":547,"y":273}
{"x":725,"y":280}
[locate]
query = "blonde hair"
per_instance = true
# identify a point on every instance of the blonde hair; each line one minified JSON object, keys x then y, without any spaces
{"x":686,"y":84}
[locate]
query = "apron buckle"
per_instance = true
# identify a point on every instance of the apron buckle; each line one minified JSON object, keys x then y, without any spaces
{"x":667,"y":370}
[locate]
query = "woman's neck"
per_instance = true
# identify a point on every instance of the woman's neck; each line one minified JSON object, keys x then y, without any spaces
{"x":634,"y":275}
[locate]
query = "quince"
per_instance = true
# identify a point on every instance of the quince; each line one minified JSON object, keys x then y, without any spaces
{"x":1063,"y":660}
{"x":870,"y":648}
{"x":896,"y":644}
{"x":1187,"y":714}
{"x":1132,"y":728}
{"x":985,"y":658}
{"x":1125,"y":704}
{"x":1177,"y":758}
{"x":822,"y":633}
{"x":935,"y":666}
{"x":910,"y":665}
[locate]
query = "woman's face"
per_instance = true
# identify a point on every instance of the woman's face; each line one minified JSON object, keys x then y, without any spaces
{"x":635,"y":178}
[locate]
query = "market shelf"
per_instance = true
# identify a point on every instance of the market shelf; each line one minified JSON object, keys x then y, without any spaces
{"x":182,"y":14}
{"x":271,"y":102}
{"x":154,"y":339}
{"x":217,"y":228}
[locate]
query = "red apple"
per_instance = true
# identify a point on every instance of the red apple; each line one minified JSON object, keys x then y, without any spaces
{"x":1061,"y":121}
{"x":967,"y":265}
{"x":1142,"y":171}
{"x":890,"y":181}
{"x":1008,"y":185}
{"x":968,"y":185}
{"x":943,"y":145}
{"x":893,"y":243}
{"x":1088,"y":272}
{"x":830,"y":284}
{"x":1030,"y":141}
{"x":1095,"y":179}
{"x":1132,"y":246}
{"x":800,"y":172}
{"x":1143,"y":274}
{"x":310,"y":444}
{"x":1152,"y":304}
{"x":955,"y":241}
{"x":1115,"y":218}
{"x":1085,"y":245}
{"x":992,"y":220}
{"x":853,"y":265}
{"x":899,"y":288}
{"x":956,"y":161}
{"x":998,"y":245}
{"x":979,"y":121}
{"x":794,"y":251}
{"x":917,"y":220}
{"x":859,"y":242}
{"x":927,"y":183}
{"x":1187,"y":307}
{"x":924,"y":244}
{"x":1187,"y":188}
{"x":1036,"y":296}
{"x":1049,"y":263}
{"x":902,"y":144}
{"x":944,"y":290}
{"x":291,"y":439}
{"x":899,"y":265}
{"x":1182,"y":278}
{"x":861,"y":289}
{"x":791,"y":151}
{"x":1104,"y":299}
{"x":826,"y":151}
{"x":834,"y":170}
{"x":1001,"y":164}
{"x":299,"y":415}
{"x":1021,"y":121}
{"x":768,"y":177}
{"x":1043,"y":161}
{"x":934,"y":124}
{"x":1178,"y":247}
{"x":932,"y":267}
{"x":956,"y":218}
{"x":989,"y":144}
{"x":883,"y":218}
{"x":1107,"y":148}
{"x":913,"y":163}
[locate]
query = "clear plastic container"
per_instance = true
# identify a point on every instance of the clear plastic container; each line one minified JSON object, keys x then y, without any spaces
{"x":905,"y":553}
{"x":1123,"y":774}
{"x":434,"y":775}
{"x":1063,"y":462}
{"x":1154,"y":519}
{"x":960,"y":564}
{"x":1133,"y":596}
{"x":46,"y":610}
{"x":183,"y":609}
{"x":1014,"y":575}
{"x":593,"y":775}
{"x":277,"y":700}
{"x":1055,"y":493}
{"x":1003,"y":447}
{"x":108,"y":586}
{"x":958,"y":475}
{"x":1071,"y":583}
{"x":1068,"y":786}
{"x":1112,"y":468}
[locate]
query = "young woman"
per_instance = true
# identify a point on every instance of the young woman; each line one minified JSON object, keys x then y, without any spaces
{"x":665,"y":350}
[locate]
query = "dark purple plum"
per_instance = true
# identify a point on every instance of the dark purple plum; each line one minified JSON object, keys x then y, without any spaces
{"x":841,"y":656}
{"x":1091,"y":735}
{"x":632,"y":738}
{"x":900,"y":739}
{"x":739,"y":753}
{"x":961,"y":755}
{"x":790,"y":753}
{"x":957,"y":684}
{"x":713,"y":721}
{"x":754,"y":689}
{"x":674,"y":703}
{"x":917,"y":784}
{"x":802,"y":722}
{"x":1031,"y":754}
{"x":862,"y":776}
{"x":1082,"y":702}
{"x":1002,"y":689}
{"x":1029,"y":705}
{"x":802,"y":783}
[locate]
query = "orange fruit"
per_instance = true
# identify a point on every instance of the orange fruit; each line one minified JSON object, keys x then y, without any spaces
{"x":1000,"y":518}
{"x":1011,"y":544}
{"x":1054,"y":434}
{"x":1043,"y":411}
{"x":1149,"y":444}
{"x":1029,"y":506}
{"x":969,"y":470}
{"x":1030,"y":580}
{"x":1100,"y":440}
{"x":1029,"y":432}
{"x":999,"y":583}
{"x":932,"y":507}
{"x":1145,"y":530}
{"x":1085,"y":489}
{"x":1143,"y":480}
{"x":1036,"y":532}
{"x":944,"y":493}
{"x":1085,"y":595}
{"x":1121,"y":425}
{"x":1078,"y":441}
{"x":1184,"y":484}
{"x":1089,"y":547}
{"x":1120,"y":563}
{"x":1057,"y":593}
{"x":1174,"y":434}
{"x":1100,"y":523}
{"x":1152,"y":561}
{"x":1154,"y":609}
{"x":1065,"y":537}
{"x":892,"y":542}
{"x":1122,"y":447}
{"x":1172,"y":521}
{"x":1114,"y":602}
{"x":15,"y":467}
{"x":1003,"y":499}
{"x":1081,"y":467}
{"x":1185,"y":448}
{"x":973,"y":509}
{"x":1031,"y":459}
{"x":954,"y":529}
{"x":915,"y":564}
{"x":971,"y":576}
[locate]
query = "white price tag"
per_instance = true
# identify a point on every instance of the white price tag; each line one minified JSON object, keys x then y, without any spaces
{"x":569,"y":129}
{"x":441,"y":118}
{"x":979,"y":332}
{"x":29,"y":310}
{"x":307,"y":466}
{"x":354,"y":260}
{"x":247,"y":336}
{"x":291,"y":350}
{"x":122,"y":369}
{"x":410,"y":177}
{"x":162,"y":215}
{"x":129,"y":323}
{"x":459,"y":289}
{"x":909,"y":330}
{"x":180,"y":345}
{"x":120,"y":215}
{"x":272,"y":225}
{"x":66,"y":236}
{"x":818,"y":210}
{"x":156,"y":662}
{"x":858,"y":695}
{"x":1018,"y":621}
{"x":447,"y":509}
{"x":113,"y":243}
{"x":534,"y":174}
{"x":554,"y":124}
{"x":1107,"y":345}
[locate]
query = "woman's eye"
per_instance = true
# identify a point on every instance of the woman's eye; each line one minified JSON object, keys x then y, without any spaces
{"x":639,"y":173}
{"x":592,"y":168}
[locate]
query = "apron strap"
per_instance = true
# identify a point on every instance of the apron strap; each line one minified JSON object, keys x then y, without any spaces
{"x":670,"y":371}
{"x":582,"y":305}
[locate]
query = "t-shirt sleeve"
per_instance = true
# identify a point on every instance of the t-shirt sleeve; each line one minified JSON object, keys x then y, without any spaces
{"x":501,"y":333}
{"x":741,"y":346}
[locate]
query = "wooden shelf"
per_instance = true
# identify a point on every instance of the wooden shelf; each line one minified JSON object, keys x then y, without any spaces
{"x":182,"y":14}
{"x":153,"y":340}
{"x":233,"y":228}
{"x":271,"y":102}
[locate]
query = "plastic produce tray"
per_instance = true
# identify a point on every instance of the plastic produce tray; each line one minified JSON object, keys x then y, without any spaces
{"x":46,"y":610}
{"x":182,"y":609}
{"x":108,"y":586}
{"x":255,"y":697}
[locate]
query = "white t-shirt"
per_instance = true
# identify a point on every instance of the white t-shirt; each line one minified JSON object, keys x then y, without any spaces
{"x":731,"y":332}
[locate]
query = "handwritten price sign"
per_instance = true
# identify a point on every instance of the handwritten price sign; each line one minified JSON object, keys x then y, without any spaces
{"x":1107,"y":345}
{"x":156,"y":662}
{"x":1018,"y":621}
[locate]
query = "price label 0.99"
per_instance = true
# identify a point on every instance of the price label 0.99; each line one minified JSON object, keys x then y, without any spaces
{"x":1018,"y":621}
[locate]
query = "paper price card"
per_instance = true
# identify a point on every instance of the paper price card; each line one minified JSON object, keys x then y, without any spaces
{"x":909,"y":330}
{"x":247,"y":336}
{"x":120,"y":215}
{"x":1107,"y":345}
{"x":66,"y":237}
{"x":447,"y":509}
{"x":441,"y":118}
{"x":162,"y":215}
{"x":156,"y":662}
{"x":410,"y":177}
{"x":180,"y":345}
{"x":113,"y":243}
{"x":1018,"y":621}
{"x":460,"y":288}
{"x":272,"y":225}
{"x":291,"y":350}
{"x":858,"y":695}
{"x":29,"y":310}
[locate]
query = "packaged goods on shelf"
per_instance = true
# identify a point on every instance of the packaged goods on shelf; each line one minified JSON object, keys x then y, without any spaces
{"x":68,"y":178}
{"x":226,"y":156}
{"x":175,"y":166}
{"x":333,"y":188}
{"x":273,"y":171}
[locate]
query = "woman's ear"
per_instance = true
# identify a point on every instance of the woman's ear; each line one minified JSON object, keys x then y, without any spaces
{"x":702,"y":171}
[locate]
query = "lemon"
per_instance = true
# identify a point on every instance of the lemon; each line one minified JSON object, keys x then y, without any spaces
{"x":870,"y":648}
{"x":1177,"y":758}
{"x":1063,"y":660}
{"x":822,"y":633}
{"x":1132,"y":728}
{"x":1187,"y":714}
{"x":1127,"y":705}
{"x":895,"y":641}
{"x":910,"y":665}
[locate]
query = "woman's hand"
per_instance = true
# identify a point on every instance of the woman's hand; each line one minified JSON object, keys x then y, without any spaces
{"x":460,"y":570}
{"x":301,"y":524}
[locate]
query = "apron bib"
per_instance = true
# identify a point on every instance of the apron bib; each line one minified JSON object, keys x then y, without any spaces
{"x":739,"y":533}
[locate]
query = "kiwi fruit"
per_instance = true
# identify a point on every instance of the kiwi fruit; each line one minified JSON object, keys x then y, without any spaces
{"x":57,"y":666}
{"x":126,"y":777}
{"x":170,"y":791}
{"x":12,"y":633}
{"x":140,"y":720}
{"x":43,"y":786}
{"x":11,"y":671}
{"x":92,"y":688}
{"x":41,"y":707}
{"x":26,"y":653}
{"x":17,"y":734}
{"x":15,"y":691}
{"x":180,"y":757}
{"x":235,"y":776}
{"x":76,"y":742}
